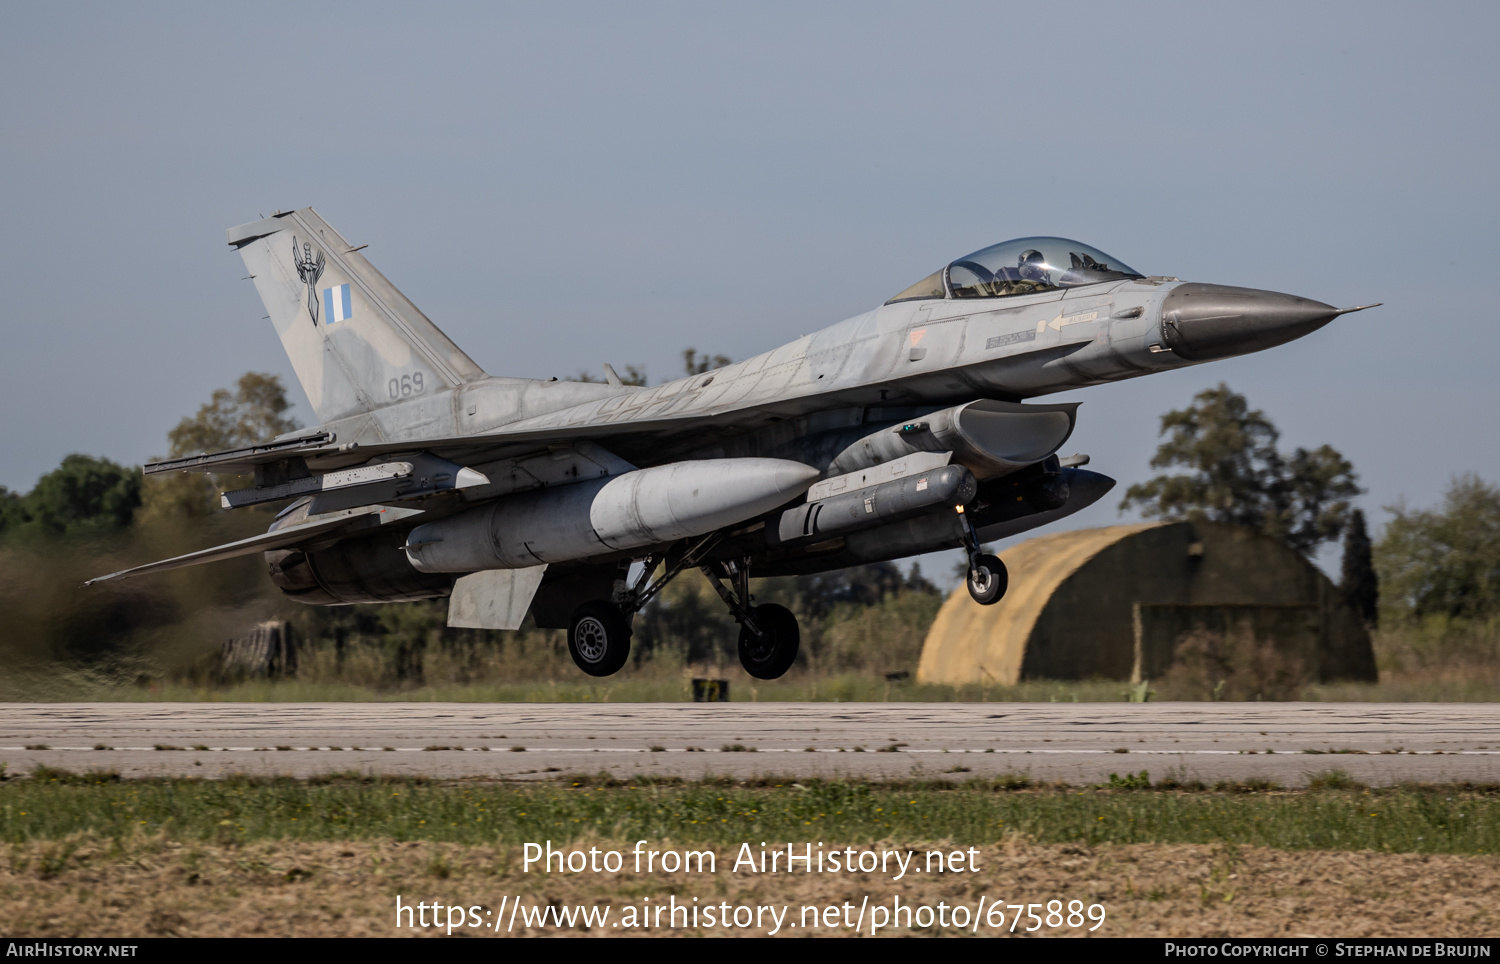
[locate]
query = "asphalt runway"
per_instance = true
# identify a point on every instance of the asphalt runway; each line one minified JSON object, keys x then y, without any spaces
{"x":1377,"y":743}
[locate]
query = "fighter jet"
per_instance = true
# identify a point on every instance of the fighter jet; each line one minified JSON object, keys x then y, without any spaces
{"x":900,"y":431}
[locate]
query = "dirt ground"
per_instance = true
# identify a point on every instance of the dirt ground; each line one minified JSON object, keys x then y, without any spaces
{"x":89,"y":887}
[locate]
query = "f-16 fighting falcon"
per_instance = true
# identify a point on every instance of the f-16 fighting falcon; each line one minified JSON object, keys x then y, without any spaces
{"x":900,"y":431}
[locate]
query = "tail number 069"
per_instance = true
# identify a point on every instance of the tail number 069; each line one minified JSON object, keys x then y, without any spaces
{"x":405,"y":386}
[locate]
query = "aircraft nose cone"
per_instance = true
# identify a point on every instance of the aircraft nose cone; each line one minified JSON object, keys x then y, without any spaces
{"x":1201,"y":322}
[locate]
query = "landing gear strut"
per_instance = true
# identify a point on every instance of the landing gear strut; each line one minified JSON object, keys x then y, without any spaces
{"x":599,"y":638}
{"x":988,"y":578}
{"x":769,"y":637}
{"x":599,"y":632}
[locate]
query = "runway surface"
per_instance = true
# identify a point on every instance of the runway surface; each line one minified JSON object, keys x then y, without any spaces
{"x":1377,"y":743}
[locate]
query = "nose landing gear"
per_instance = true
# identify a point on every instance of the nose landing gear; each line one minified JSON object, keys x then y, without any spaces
{"x":988,"y":578}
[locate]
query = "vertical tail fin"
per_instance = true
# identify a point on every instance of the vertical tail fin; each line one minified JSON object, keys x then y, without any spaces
{"x":354,"y":340}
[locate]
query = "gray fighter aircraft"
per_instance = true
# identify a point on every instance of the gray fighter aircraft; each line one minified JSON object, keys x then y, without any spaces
{"x":897,"y":432}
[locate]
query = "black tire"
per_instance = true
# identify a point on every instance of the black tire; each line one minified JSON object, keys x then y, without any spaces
{"x":771,"y":654}
{"x":599,"y":638}
{"x":988,"y":582}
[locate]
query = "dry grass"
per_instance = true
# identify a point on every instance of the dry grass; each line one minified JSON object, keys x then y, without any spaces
{"x":150,"y":886}
{"x":1438,"y":661}
{"x":855,"y":649}
{"x":1232,"y":666}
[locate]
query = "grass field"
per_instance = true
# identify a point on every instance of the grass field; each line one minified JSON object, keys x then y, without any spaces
{"x":1437,"y":663}
{"x":677,"y":688}
{"x":1333,"y":814}
{"x":91,"y":855}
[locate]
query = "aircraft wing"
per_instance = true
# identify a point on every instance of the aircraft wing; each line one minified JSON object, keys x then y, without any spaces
{"x":323,"y":453}
{"x":275,"y":539}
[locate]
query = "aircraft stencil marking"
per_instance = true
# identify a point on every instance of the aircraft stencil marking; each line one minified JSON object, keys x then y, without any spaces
{"x":1014,"y":338}
{"x":1061,"y":321}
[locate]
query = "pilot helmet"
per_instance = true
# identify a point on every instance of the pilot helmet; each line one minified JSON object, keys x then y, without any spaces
{"x":1033,"y":266}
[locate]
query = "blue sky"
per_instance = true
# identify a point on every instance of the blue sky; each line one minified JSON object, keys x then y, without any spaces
{"x":559,"y":185}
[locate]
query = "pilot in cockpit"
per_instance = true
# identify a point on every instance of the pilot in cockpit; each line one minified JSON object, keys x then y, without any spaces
{"x":1032,"y":266}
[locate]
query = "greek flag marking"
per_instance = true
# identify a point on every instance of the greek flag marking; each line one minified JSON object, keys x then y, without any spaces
{"x":336,"y":306}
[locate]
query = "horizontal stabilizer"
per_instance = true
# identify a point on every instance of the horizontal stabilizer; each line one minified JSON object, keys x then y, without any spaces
{"x":410,"y":478}
{"x":244,"y":460}
{"x":493,"y":598}
{"x":275,"y":539}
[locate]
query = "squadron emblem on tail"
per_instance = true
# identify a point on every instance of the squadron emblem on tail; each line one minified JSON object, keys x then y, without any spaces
{"x":309,"y":269}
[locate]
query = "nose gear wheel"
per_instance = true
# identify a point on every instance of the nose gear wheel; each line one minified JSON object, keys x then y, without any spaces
{"x":988,"y":580}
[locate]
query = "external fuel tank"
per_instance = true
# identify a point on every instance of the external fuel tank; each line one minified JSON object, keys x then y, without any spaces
{"x":641,"y":508}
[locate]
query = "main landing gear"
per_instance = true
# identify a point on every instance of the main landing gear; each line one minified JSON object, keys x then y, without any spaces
{"x":769,"y":636}
{"x":599,"y":638}
{"x":600,"y":631}
{"x":768,"y":641}
{"x":987,"y":579}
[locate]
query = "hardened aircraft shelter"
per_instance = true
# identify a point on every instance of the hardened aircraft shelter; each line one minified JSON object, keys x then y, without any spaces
{"x":1114,"y":603}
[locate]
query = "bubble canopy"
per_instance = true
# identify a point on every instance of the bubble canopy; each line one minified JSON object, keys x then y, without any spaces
{"x":1020,"y":267}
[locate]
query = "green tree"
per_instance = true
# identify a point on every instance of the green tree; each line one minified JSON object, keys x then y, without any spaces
{"x":1313,"y":498}
{"x":696,"y":364}
{"x":634,"y":375}
{"x":692,"y":364}
{"x":255,"y":411}
{"x":82,"y":494}
{"x":1236,"y":475}
{"x":12,"y":509}
{"x":1358,"y":579}
{"x":1444,"y":561}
